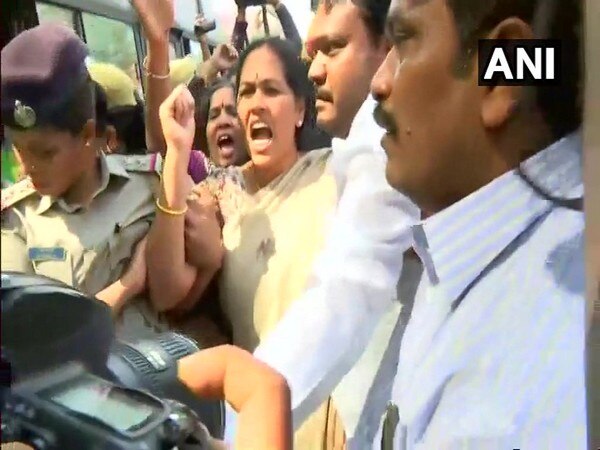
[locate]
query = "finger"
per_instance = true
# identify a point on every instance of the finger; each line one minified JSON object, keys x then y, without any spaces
{"x":168,"y":106}
{"x":180,"y":108}
{"x":202,"y":190}
{"x":140,"y":248}
{"x":195,"y":208}
{"x":189,"y":104}
{"x":233,"y":53}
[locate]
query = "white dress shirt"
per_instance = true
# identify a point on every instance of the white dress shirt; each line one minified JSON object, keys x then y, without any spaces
{"x":324,"y":333}
{"x":493,"y":354}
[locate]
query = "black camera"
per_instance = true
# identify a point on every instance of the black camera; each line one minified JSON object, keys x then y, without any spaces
{"x":74,"y":386}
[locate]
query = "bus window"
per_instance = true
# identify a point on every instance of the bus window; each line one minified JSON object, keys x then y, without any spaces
{"x":196,"y":50}
{"x":113,"y":42}
{"x":50,"y":13}
{"x":172,"y":51}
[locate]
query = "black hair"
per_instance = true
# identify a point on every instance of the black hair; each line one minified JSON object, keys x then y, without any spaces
{"x":130,"y":126}
{"x":374,"y":14}
{"x":69,"y":114}
{"x":295,"y":73}
{"x":560,"y":105}
{"x":101,"y":109}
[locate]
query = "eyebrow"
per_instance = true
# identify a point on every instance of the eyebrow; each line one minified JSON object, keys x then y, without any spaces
{"x":260,"y":82}
{"x":397,"y":18}
{"x":321,"y":41}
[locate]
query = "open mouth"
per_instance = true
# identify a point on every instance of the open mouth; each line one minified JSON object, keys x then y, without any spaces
{"x":261,"y":134}
{"x":226,"y":144}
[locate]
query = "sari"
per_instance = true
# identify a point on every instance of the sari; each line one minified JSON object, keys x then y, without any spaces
{"x":271,"y":238}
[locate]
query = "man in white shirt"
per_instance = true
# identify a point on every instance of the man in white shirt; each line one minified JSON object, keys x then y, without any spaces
{"x":493,"y":354}
{"x":352,"y":294}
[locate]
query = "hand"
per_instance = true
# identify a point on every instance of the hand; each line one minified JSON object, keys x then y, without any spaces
{"x":200,"y":24}
{"x":203,"y":223}
{"x":224,"y":57}
{"x":177,"y":120}
{"x":134,"y":278}
{"x":156,"y":16}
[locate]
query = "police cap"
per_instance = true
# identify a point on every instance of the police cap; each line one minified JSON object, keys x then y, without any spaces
{"x":42,"y":68}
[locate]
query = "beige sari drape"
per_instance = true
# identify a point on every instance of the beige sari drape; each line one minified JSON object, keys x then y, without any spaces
{"x":271,"y":239}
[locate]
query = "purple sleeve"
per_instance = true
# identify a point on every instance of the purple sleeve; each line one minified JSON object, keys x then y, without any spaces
{"x":198,"y":167}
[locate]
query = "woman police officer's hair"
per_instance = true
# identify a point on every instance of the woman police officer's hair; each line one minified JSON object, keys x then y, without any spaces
{"x":101,"y":109}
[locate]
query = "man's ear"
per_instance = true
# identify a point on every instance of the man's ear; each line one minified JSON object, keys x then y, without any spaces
{"x":501,"y":102}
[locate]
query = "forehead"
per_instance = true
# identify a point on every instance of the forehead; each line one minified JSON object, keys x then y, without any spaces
{"x":408,"y":4}
{"x":435,"y":15}
{"x":221,"y":96}
{"x":340,"y":19}
{"x":262,"y":63}
{"x":408,"y":8}
{"x":39,"y":139}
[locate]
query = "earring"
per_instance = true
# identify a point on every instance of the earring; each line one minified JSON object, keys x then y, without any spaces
{"x":299,"y":124}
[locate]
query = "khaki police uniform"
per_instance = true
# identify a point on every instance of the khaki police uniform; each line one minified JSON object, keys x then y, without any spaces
{"x":86,"y":248}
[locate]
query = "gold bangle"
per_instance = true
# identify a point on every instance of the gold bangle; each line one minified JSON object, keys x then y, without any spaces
{"x":153,"y":75}
{"x":171,"y":212}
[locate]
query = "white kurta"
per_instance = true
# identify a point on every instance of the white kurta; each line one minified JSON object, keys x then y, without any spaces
{"x":324,"y":333}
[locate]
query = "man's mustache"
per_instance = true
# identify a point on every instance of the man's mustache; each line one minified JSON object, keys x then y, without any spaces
{"x":384,"y":119}
{"x":324,"y":95}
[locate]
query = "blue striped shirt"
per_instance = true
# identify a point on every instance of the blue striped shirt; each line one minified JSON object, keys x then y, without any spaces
{"x":493,"y":354}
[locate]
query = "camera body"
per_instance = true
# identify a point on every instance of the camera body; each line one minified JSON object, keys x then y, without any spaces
{"x":61,"y":350}
{"x":70,"y":408}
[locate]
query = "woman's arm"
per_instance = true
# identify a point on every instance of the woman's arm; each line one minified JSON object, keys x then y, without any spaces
{"x":172,"y":281}
{"x":157,"y":19}
{"x":287,"y":23}
{"x":258,"y":393}
{"x":201,"y":36}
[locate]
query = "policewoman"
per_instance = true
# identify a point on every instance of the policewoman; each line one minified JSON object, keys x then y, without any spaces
{"x":79,"y":216}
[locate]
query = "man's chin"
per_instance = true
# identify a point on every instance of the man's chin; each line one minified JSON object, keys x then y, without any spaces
{"x":326,"y":120}
{"x":395,"y":177}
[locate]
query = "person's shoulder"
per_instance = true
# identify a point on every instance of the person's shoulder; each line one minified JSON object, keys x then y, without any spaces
{"x":143,"y":164}
{"x":16,"y":193}
{"x":561,"y":241}
{"x":548,"y":262}
{"x":317,"y":156}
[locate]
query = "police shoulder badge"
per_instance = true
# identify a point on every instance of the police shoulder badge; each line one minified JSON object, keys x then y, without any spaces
{"x":24,"y":115}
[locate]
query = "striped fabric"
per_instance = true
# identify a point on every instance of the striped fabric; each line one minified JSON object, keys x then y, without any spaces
{"x":493,"y":355}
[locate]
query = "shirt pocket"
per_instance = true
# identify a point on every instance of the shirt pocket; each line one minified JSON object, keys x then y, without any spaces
{"x":57,"y":269}
{"x":126,"y":235}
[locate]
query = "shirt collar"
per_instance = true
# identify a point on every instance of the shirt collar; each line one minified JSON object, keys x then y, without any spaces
{"x":364,"y":128}
{"x":108,"y":167}
{"x":457,"y":243}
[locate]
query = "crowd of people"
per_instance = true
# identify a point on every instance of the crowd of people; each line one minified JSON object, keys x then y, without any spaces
{"x":374,"y":250}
